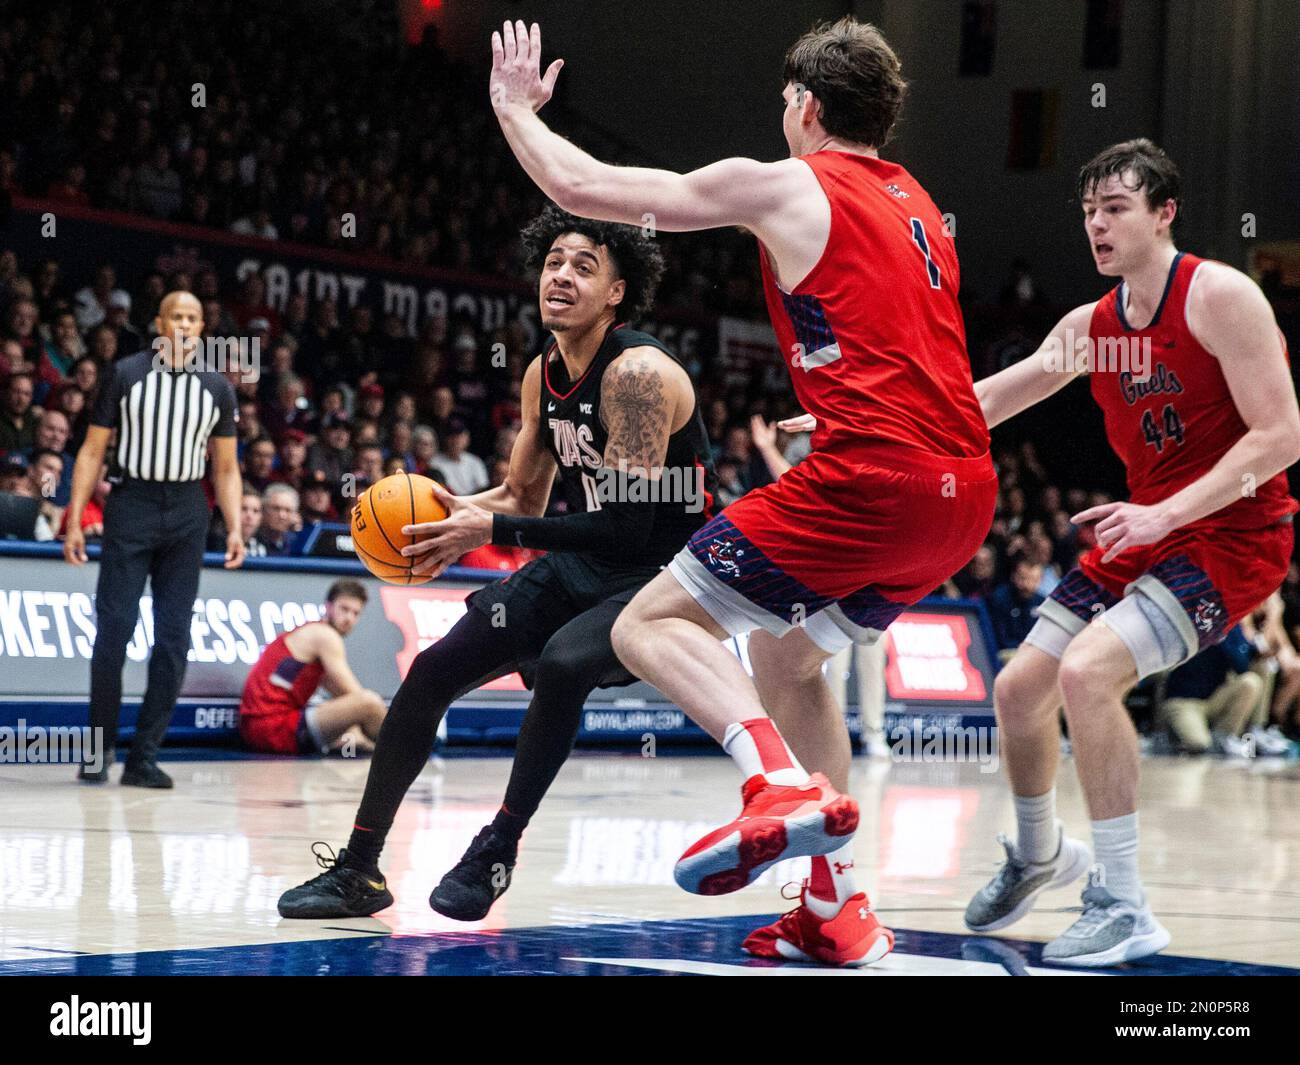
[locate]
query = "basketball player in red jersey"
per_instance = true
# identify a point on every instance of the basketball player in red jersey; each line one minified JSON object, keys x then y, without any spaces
{"x":273,"y":713}
{"x":1190,"y":370}
{"x":861,"y":281}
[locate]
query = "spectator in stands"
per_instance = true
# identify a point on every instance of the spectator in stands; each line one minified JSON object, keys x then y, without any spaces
{"x":1278,"y":663}
{"x":156,"y":187}
{"x":92,"y":514}
{"x":370,"y":465}
{"x":101,"y":344}
{"x":17,"y":420}
{"x":316,"y":503}
{"x":332,"y":453}
{"x":259,"y":463}
{"x":730,"y":485}
{"x":12,"y":358}
{"x":400,"y":439}
{"x":1011,"y":606}
{"x":16,"y":479}
{"x":292,"y":409}
{"x":372,"y":402}
{"x":128,"y":339}
{"x":977,"y":579}
{"x":424,"y":450}
{"x":63,"y":348}
{"x":1212,"y":698}
{"x":256,"y":224}
{"x":90,"y":304}
{"x":21,"y":325}
{"x":250,"y":522}
{"x":463,"y":473}
{"x":45,"y":472}
{"x":52,"y":434}
{"x":280,"y":519}
{"x":291,"y":469}
{"x":737,"y":447}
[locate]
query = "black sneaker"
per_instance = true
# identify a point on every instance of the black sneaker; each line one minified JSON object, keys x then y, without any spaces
{"x":481,"y":877}
{"x":87,"y":774}
{"x":340,"y":891}
{"x":145,"y":775}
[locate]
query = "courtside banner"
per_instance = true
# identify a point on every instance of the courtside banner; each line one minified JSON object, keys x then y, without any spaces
{"x":47,"y":629}
{"x":937,"y":660}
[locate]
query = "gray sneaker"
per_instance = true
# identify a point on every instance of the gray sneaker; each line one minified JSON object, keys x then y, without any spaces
{"x":1108,"y":932}
{"x":1011,"y":893}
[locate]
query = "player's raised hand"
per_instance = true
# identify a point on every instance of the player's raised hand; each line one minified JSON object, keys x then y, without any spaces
{"x":1124,"y":525}
{"x":516,"y":79}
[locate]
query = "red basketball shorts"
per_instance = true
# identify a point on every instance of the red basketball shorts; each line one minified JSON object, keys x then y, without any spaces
{"x":840,"y":544}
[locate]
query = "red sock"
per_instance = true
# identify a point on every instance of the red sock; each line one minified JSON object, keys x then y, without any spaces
{"x":758,"y":749}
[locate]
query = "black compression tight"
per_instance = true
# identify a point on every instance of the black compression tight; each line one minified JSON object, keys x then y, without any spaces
{"x":474,"y":652}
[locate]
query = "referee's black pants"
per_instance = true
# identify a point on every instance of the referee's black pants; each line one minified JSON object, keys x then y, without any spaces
{"x":155,"y":530}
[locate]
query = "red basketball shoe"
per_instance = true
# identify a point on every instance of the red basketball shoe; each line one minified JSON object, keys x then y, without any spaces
{"x":777,"y":822}
{"x":853,"y":937}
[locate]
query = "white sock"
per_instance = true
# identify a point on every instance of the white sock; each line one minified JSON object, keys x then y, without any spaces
{"x":1115,"y":842}
{"x":759,"y":750}
{"x":1036,"y":835}
{"x":831,"y":883}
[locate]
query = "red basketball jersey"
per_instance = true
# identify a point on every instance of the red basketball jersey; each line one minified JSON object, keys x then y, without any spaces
{"x":1172,"y":425}
{"x":873,"y":335}
{"x":278,"y":680}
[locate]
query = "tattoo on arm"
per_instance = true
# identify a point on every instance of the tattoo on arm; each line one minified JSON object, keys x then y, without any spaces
{"x":636,"y":413}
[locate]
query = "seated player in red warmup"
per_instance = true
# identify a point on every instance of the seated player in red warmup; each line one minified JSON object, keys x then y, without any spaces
{"x":273,"y":713}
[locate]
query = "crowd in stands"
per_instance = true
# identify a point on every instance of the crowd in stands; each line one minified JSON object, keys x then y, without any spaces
{"x":293,"y":135}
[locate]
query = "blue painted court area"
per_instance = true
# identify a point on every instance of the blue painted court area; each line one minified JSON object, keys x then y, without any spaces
{"x":642,"y":948}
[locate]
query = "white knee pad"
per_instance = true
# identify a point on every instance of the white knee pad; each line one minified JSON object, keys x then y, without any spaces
{"x":1156,"y":632}
{"x":1055,"y":628}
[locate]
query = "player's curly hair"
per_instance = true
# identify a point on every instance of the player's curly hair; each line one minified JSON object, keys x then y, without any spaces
{"x":636,"y":257}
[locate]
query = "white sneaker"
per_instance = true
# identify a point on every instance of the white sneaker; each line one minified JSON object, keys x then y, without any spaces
{"x":1108,"y":932}
{"x":1270,"y":742}
{"x":1011,"y":893}
{"x":1235,"y":746}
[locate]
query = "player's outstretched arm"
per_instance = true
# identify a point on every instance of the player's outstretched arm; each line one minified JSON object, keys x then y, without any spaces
{"x":732,"y":192}
{"x":1057,"y":362}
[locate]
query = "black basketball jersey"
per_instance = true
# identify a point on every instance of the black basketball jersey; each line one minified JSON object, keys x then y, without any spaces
{"x":683,"y":497}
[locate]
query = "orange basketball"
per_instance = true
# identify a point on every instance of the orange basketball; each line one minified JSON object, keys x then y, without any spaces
{"x":377,"y":520}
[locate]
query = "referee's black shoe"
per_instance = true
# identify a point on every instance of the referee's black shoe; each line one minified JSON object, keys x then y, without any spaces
{"x":340,"y":891}
{"x":145,"y":774}
{"x":481,"y":877}
{"x":88,"y":774}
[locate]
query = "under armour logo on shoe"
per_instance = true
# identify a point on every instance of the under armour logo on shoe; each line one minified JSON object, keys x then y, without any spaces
{"x":840,"y":867}
{"x":863,"y":913}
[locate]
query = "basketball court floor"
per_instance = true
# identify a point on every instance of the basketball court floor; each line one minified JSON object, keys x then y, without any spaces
{"x":113,"y":880}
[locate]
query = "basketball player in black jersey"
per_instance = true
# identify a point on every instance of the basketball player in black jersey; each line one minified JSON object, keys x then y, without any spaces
{"x":616,"y":414}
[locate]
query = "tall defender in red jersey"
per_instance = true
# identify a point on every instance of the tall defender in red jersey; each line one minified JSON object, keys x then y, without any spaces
{"x":861,"y":279}
{"x":1189,"y":368}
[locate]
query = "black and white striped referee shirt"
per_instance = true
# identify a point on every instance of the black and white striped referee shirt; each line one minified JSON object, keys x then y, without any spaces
{"x":163,"y":417}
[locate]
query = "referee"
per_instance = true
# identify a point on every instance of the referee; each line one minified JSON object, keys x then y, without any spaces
{"x":155,"y":521}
